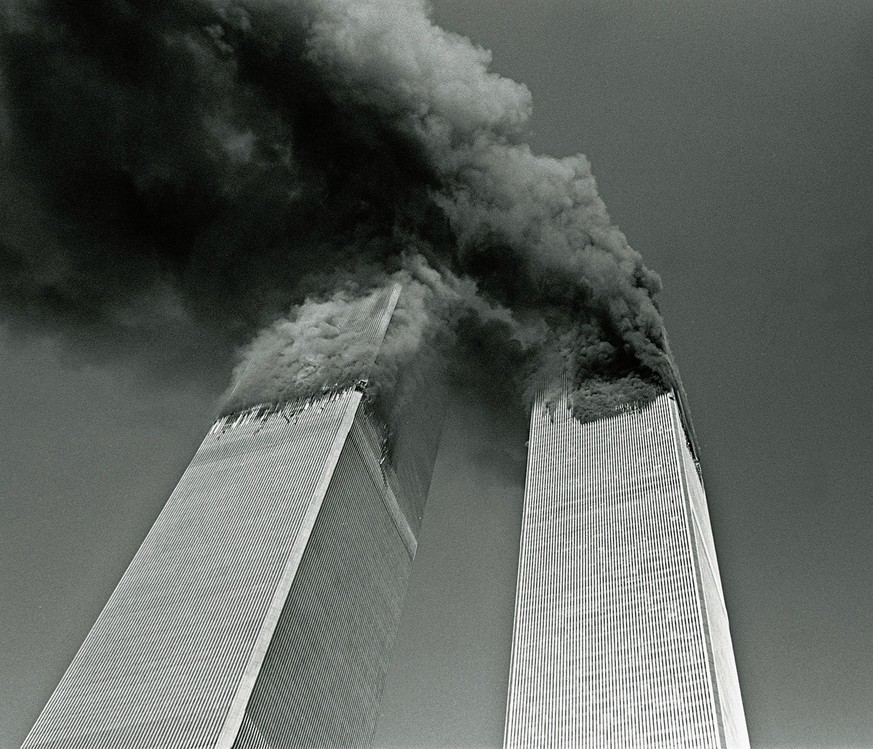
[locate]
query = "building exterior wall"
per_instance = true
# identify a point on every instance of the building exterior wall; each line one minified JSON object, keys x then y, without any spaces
{"x":163,"y":662}
{"x":621,"y":635}
{"x":261,"y":608}
{"x":324,"y":671}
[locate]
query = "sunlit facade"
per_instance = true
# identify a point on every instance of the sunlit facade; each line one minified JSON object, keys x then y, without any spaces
{"x":621,"y":634}
{"x":261,"y":608}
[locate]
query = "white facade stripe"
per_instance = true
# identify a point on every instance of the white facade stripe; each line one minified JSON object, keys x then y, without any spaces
{"x":235,"y":713}
{"x":620,"y":634}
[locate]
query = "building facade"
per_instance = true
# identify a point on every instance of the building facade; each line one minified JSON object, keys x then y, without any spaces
{"x":621,"y":634}
{"x":261,"y":608}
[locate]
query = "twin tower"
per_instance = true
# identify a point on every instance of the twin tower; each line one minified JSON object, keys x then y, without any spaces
{"x":261,"y":609}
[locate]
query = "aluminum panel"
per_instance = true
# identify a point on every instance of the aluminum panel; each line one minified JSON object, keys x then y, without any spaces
{"x":325,"y":669}
{"x":621,"y":636}
{"x":163,"y":662}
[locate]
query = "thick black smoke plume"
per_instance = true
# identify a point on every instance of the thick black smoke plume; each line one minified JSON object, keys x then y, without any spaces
{"x":210,"y":163}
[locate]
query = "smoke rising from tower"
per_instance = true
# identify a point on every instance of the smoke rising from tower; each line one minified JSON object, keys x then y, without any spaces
{"x":215,"y":163}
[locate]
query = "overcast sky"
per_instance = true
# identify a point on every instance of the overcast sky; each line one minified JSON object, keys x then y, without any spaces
{"x":731,"y":142}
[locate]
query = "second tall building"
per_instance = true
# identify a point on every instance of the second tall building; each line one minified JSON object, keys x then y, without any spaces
{"x":261,"y":608}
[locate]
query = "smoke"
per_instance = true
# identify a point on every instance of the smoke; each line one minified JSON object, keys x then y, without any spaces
{"x":336,"y":341}
{"x":318,"y":348}
{"x":244,"y":158}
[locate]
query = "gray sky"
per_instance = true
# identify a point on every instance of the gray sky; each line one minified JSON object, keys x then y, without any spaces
{"x":731,"y":144}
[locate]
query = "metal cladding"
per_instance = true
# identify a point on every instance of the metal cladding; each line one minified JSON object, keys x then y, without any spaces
{"x":261,"y":607}
{"x":324,"y":670}
{"x":621,"y":634}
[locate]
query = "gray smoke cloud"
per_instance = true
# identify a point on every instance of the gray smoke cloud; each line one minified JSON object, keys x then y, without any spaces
{"x":315,"y":349}
{"x":217,"y":163}
{"x":329,"y":343}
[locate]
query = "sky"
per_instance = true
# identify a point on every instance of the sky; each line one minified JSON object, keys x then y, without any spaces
{"x":731,"y":144}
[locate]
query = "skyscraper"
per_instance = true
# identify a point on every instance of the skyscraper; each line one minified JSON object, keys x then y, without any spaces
{"x":621,"y":635}
{"x":261,"y":608}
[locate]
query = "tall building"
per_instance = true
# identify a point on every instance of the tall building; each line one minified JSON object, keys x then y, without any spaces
{"x":261,"y":607}
{"x":621,"y":635}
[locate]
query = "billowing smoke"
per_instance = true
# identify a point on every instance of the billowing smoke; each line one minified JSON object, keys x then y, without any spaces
{"x":386,"y":337}
{"x":241,"y":158}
